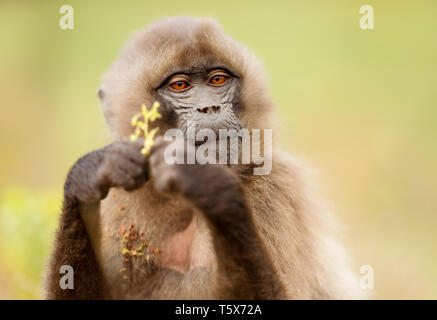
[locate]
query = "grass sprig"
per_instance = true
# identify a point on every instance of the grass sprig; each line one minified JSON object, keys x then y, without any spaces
{"x":141,"y":123}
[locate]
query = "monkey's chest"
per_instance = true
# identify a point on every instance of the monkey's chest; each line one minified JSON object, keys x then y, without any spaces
{"x":142,"y":234}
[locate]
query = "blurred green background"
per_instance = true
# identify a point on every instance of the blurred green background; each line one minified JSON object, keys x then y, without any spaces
{"x":358,"y":105}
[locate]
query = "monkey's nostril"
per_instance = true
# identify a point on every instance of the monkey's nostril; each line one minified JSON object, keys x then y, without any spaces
{"x":212,"y":109}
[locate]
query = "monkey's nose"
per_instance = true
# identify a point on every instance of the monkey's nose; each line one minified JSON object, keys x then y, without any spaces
{"x":210,"y":110}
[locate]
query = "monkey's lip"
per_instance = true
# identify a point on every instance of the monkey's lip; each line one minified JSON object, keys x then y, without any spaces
{"x":199,"y":143}
{"x":216,"y":131}
{"x":212,"y":117}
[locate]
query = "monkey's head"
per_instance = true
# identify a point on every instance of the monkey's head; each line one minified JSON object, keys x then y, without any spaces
{"x":201,"y":77}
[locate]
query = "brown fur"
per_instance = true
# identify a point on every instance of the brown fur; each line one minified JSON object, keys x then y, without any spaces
{"x":255,"y":236}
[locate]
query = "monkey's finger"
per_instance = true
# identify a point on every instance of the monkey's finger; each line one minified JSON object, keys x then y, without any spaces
{"x":101,"y":183}
{"x":122,"y":179}
{"x":131,"y":150}
{"x":118,"y":171}
{"x":123,"y":163}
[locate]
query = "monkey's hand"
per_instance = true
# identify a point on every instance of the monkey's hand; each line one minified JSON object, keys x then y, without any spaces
{"x":217,"y":192}
{"x":195,"y":181}
{"x":120,"y":164}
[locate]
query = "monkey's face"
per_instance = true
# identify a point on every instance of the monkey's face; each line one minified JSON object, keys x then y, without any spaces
{"x":202,"y":98}
{"x":202,"y":78}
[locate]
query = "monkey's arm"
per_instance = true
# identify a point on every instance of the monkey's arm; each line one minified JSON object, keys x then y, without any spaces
{"x":118,"y":164}
{"x":246,"y":270}
{"x":72,"y":243}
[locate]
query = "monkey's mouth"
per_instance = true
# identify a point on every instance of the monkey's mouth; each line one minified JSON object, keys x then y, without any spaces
{"x":199,"y":143}
{"x":212,"y":135}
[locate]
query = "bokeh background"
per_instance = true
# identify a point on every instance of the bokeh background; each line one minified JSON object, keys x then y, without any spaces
{"x":360,"y":106}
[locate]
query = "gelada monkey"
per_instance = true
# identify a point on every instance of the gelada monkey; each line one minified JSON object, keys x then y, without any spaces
{"x":137,"y":227}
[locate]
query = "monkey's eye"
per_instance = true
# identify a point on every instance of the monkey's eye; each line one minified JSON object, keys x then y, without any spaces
{"x":218,"y":79}
{"x":179,"y":85}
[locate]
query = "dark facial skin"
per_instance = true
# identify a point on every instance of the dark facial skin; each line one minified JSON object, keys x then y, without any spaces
{"x":202,"y":99}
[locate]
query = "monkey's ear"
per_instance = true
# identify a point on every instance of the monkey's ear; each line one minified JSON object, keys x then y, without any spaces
{"x":101,"y":92}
